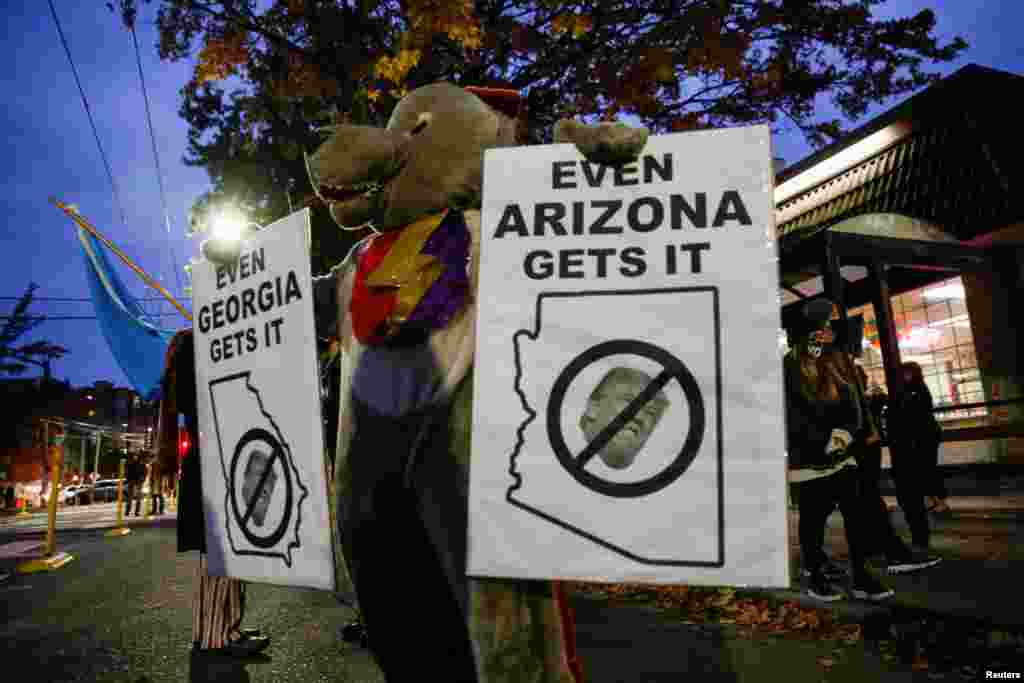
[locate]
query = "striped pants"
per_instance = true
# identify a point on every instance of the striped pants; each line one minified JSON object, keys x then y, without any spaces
{"x":217,"y":608}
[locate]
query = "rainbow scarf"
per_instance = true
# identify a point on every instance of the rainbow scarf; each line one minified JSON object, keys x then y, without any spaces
{"x":415,"y":278}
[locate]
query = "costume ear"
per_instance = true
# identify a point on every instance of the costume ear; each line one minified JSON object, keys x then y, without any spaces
{"x":508,"y":102}
{"x":603,"y":143}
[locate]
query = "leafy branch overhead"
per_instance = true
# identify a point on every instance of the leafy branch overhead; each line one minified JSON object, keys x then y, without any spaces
{"x":269,"y":73}
{"x":15,"y":359}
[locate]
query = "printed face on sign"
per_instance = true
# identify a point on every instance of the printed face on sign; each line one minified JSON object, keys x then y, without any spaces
{"x":255,"y":496}
{"x":610,"y":397}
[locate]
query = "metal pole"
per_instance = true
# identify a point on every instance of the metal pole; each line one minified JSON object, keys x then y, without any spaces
{"x":96,"y":465}
{"x":85,"y":225}
{"x":51,"y":526}
{"x":120,"y":493}
{"x":834,"y":286}
{"x":81,"y":461}
{"x":887,"y":336}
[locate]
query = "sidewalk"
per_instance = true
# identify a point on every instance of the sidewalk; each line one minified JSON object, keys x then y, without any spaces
{"x":122,"y":612}
{"x":951,"y":622}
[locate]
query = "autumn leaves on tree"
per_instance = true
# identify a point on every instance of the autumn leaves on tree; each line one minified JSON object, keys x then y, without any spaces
{"x":270,"y":72}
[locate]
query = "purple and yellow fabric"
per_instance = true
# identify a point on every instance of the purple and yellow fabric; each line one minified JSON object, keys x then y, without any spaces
{"x":413,"y":277}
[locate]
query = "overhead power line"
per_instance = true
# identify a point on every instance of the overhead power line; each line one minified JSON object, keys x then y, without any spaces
{"x":88,"y":112}
{"x":74,"y":317}
{"x":72,"y":299}
{"x":156,"y":155}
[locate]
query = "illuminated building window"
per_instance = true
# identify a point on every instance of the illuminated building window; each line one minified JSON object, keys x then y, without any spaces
{"x":934,"y":331}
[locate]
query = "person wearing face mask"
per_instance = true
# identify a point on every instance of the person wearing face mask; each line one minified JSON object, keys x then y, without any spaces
{"x":823,"y":414}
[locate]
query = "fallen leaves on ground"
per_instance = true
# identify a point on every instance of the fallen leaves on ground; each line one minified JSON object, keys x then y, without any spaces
{"x":751,"y":613}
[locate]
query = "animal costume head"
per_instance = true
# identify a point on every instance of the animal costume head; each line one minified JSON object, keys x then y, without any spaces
{"x":430,"y":157}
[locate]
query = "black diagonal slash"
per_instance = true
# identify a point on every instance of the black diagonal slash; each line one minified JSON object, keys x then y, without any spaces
{"x":251,"y":503}
{"x":616,"y":425}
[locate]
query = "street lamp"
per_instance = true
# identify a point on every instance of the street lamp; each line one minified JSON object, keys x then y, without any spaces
{"x":228,"y":227}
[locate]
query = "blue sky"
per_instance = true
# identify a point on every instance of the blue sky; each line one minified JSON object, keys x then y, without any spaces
{"x":50,"y":150}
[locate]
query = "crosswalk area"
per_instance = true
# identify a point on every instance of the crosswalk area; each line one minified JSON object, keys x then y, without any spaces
{"x":96,"y":516}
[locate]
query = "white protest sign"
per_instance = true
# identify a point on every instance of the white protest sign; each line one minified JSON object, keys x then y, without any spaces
{"x":628,"y":414}
{"x":260,"y":432}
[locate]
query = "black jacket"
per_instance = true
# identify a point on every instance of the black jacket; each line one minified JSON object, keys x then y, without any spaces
{"x":191,"y":522}
{"x":135,"y":473}
{"x":809,"y":424}
{"x":912,"y":421}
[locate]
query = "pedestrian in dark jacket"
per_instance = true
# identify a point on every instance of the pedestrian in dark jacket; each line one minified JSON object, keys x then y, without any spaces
{"x":134,"y":476}
{"x":880,"y":535}
{"x":914,"y":437}
{"x":219,"y":603}
{"x":822,"y":416}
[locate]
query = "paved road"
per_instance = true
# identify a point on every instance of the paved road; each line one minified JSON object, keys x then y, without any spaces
{"x":121,"y":612}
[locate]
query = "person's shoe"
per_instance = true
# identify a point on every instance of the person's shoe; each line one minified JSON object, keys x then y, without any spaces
{"x":820,"y":588}
{"x":867,"y":587}
{"x":832,"y":571}
{"x":916,"y":559}
{"x":245,"y":646}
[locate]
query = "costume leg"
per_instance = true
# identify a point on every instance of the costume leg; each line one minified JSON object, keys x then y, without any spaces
{"x":391,"y":549}
{"x":394,"y":551}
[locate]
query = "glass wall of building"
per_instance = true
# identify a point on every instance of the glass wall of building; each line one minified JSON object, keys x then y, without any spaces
{"x":934,"y":331}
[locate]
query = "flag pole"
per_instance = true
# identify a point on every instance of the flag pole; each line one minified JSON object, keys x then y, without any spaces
{"x":85,"y":225}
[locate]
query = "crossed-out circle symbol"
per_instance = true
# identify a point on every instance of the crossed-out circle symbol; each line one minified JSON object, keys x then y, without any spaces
{"x":242,"y":517}
{"x":672,"y":369}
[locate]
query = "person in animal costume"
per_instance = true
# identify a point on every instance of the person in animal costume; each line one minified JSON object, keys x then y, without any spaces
{"x":403,"y":307}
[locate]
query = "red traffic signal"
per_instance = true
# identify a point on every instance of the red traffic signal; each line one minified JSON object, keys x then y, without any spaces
{"x":183,"y":443}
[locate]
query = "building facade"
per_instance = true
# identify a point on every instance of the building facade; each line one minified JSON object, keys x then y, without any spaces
{"x":914,"y":224}
{"x":100,"y":424}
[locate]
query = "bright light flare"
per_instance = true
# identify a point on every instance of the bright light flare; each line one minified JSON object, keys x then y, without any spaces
{"x":228,"y":226}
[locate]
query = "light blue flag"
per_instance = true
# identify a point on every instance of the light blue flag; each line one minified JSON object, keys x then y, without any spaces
{"x":135,"y":340}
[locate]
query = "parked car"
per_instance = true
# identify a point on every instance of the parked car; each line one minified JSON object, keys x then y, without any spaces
{"x":105,"y":490}
{"x":76,"y":494}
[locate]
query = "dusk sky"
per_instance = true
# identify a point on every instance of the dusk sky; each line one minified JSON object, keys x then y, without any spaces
{"x":50,"y":150}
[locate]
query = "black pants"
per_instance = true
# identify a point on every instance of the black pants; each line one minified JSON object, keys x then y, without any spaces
{"x":913,"y":483}
{"x":937,"y":481}
{"x":880,"y":537}
{"x":382,"y":524}
{"x":818,"y":498}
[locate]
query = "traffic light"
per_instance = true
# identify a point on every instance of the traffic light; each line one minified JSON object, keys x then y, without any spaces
{"x":183,"y":442}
